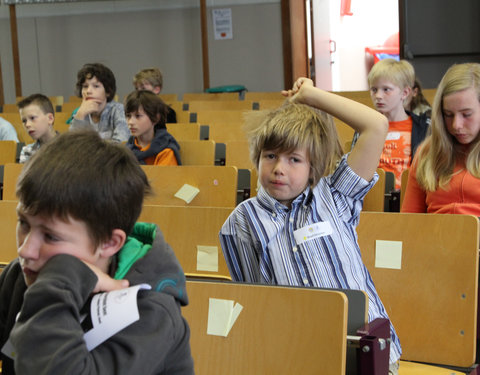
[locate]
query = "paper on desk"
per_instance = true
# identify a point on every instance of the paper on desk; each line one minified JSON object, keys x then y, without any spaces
{"x":222,"y":314}
{"x":111,"y":312}
{"x":207,"y":258}
{"x":187,"y":193}
{"x":388,"y":254}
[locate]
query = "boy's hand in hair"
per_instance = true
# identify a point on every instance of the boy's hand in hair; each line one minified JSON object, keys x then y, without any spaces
{"x":297,"y":93}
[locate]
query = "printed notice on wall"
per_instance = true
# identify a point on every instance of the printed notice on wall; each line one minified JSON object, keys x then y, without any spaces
{"x":222,"y":23}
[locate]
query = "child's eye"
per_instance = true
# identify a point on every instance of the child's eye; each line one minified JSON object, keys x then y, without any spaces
{"x":270,"y":156}
{"x":50,"y":237}
{"x":23,"y":225}
{"x":467,"y":114}
{"x":373,"y":90}
{"x":447,"y":115}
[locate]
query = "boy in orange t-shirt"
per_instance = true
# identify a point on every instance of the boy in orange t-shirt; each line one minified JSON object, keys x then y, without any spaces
{"x":390,"y":83}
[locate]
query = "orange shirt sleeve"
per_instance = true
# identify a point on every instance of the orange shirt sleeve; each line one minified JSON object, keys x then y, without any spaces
{"x":166,"y":157}
{"x":415,"y":197}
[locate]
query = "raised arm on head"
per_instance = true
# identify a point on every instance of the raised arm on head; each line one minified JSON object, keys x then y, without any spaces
{"x":370,"y":124}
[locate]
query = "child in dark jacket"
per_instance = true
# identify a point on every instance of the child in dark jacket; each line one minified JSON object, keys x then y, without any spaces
{"x":150,"y":141}
{"x":83,"y":261}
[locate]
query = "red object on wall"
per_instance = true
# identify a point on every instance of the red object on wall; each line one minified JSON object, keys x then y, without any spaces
{"x":345,"y":8}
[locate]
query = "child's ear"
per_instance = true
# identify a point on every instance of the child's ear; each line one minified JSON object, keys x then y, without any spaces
{"x":51,"y":118}
{"x":406,"y":92}
{"x":114,"y":244}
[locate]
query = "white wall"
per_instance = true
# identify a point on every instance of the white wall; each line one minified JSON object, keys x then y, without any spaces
{"x":373,"y":21}
{"x":56,"y":40}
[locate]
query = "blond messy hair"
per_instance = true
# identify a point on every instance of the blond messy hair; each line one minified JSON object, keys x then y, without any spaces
{"x":400,"y":73}
{"x":440,"y":151}
{"x":294,"y":126}
{"x":151,"y":75}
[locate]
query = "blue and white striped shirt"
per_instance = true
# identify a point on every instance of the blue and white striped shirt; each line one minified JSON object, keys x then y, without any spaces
{"x":259,"y":245}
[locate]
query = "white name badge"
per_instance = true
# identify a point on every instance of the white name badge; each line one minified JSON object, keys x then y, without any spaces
{"x":312,"y":231}
{"x":111,"y":312}
{"x":393,"y":136}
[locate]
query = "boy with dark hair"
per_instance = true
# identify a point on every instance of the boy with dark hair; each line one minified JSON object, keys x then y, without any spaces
{"x":151,"y":143}
{"x":37,"y":115}
{"x":77,"y":236}
{"x":96,"y":86}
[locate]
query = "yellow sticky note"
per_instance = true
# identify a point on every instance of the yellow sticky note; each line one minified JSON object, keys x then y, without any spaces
{"x":187,"y":193}
{"x":222,"y":314}
{"x":207,"y":258}
{"x":388,"y":254}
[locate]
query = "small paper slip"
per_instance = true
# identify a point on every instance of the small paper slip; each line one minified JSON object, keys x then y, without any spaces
{"x":111,"y":312}
{"x":388,"y":254}
{"x":187,"y":193}
{"x":222,"y":314}
{"x":207,"y":258}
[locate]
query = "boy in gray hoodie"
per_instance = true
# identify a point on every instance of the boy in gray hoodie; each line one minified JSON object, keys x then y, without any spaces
{"x":92,"y":290}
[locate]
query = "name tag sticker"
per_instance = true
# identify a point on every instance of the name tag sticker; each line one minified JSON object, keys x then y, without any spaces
{"x":393,"y":136}
{"x":312,"y":231}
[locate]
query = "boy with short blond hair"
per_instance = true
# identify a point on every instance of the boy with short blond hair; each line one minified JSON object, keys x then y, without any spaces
{"x":390,"y":82}
{"x":38,"y":116}
{"x":77,"y":237}
{"x":151,"y":79}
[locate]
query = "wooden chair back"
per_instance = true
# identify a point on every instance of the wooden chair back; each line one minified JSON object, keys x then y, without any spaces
{"x":8,"y":152}
{"x":69,"y":107}
{"x":270,"y":103}
{"x":219,"y":105}
{"x":197,"y":152}
{"x":188,"y":230}
{"x":429,"y":94}
{"x":403,"y":188}
{"x":375,"y":198}
{"x":60,"y":123}
{"x":280,"y":330}
{"x":217,"y":185}
{"x":8,"y":225}
{"x":345,"y":132}
{"x":237,"y":154}
{"x":258,"y":96}
{"x":209,"y":117}
{"x":185,"y":131}
{"x":187,"y":97}
{"x":362,"y":96}
{"x":226,"y":133}
{"x":430,"y":291}
{"x":168,"y":98}
{"x":11,"y":171}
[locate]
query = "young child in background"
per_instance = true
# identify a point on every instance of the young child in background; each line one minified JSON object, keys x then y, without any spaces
{"x":96,"y":86}
{"x":7,"y":131}
{"x":151,"y":79}
{"x":417,"y":103}
{"x":150,"y":141}
{"x":37,"y":114}
{"x":307,"y":185}
{"x":445,"y":174}
{"x":77,"y":236}
{"x":390,"y":83}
